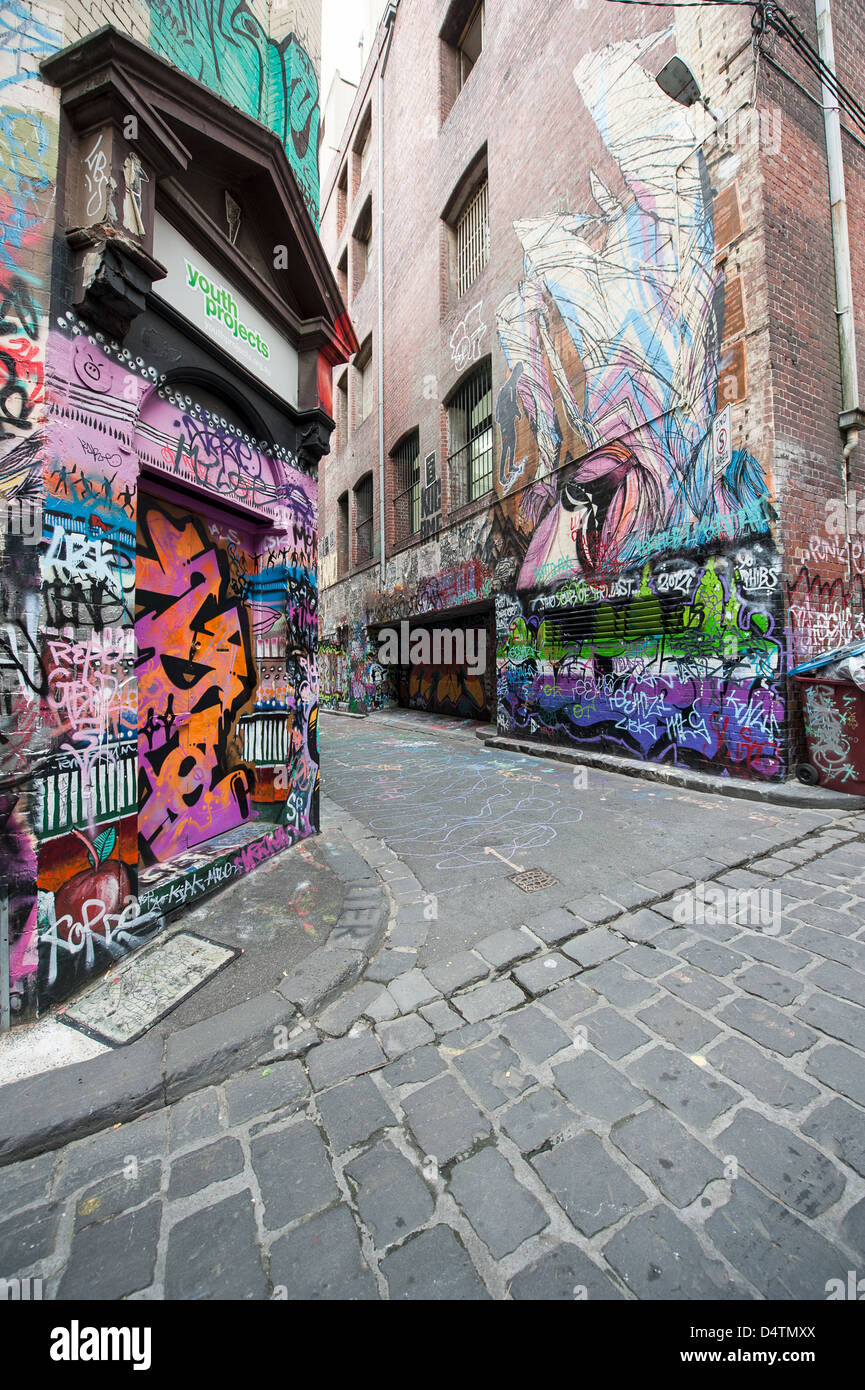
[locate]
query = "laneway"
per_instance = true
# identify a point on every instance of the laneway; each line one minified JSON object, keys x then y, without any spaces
{"x":443,"y":804}
{"x":570,"y":1094}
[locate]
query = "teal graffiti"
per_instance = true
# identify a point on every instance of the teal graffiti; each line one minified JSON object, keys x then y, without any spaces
{"x":222,"y":44}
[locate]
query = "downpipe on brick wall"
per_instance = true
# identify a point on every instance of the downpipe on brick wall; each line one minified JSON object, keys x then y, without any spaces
{"x":389,"y":22}
{"x":5,"y":974}
{"x":851,"y":417}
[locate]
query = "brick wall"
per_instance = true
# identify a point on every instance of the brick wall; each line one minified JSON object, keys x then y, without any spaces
{"x":823,"y":566}
{"x":745,"y":251}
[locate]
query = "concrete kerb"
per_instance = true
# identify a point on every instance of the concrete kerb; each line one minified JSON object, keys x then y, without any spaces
{"x":46,"y":1111}
{"x":772,"y":793}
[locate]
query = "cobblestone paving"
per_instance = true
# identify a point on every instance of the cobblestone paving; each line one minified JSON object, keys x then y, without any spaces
{"x":600,"y":1103}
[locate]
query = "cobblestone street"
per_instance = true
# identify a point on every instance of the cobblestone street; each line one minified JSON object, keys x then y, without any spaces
{"x":590,"y":1099}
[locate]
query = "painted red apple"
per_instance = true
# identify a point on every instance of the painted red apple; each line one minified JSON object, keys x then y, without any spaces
{"x":105,"y":882}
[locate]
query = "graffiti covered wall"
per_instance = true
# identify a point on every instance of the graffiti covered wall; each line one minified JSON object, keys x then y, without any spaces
{"x":648,"y":615}
{"x":225,"y":45}
{"x":350,"y":674}
{"x":177,"y":643}
{"x":158,"y":566}
{"x":28,"y":162}
{"x":628,"y":548}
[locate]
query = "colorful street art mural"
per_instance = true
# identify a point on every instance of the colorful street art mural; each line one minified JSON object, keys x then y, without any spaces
{"x":28,"y":164}
{"x":158,"y":566}
{"x":443,"y":690}
{"x":633,"y":570}
{"x":222,"y":44}
{"x":350,"y":675}
{"x":648,"y":614}
{"x":196,"y":676}
{"x":167,"y":669}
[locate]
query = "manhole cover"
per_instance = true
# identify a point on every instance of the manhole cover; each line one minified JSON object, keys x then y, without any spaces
{"x":533,"y":880}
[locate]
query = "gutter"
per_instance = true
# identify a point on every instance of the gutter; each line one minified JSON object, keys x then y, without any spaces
{"x":852,"y":417}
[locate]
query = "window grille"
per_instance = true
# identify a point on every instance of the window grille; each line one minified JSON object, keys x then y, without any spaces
{"x":365,"y":382}
{"x":473,"y":239}
{"x":363,"y":519}
{"x":406,"y":502}
{"x":342,"y":536}
{"x":470,"y":463}
{"x":342,"y":412}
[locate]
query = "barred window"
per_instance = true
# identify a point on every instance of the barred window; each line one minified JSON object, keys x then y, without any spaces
{"x":406,"y":502}
{"x":470,"y":418}
{"x":363,"y":520}
{"x":473,"y":238}
{"x":341,"y":200}
{"x":342,"y":536}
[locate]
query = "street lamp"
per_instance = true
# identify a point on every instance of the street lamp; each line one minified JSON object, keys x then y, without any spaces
{"x":677,"y":81}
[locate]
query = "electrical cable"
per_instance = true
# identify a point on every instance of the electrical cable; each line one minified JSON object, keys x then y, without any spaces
{"x":768,"y":14}
{"x":780,"y":21}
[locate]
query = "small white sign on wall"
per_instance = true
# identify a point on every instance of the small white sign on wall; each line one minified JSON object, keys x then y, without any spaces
{"x":722,"y":440}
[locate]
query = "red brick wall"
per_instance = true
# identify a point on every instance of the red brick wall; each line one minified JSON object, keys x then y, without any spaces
{"x":821,"y":569}
{"x":768,"y":174}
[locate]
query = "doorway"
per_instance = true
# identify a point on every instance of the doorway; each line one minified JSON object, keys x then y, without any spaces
{"x":196,"y":677}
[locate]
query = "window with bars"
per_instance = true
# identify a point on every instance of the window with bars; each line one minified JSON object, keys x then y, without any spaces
{"x":406,"y":502}
{"x":473,"y":238}
{"x":363,"y":520}
{"x":470,"y":421}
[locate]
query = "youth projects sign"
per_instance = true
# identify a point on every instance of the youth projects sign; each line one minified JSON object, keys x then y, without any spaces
{"x":208,"y":300}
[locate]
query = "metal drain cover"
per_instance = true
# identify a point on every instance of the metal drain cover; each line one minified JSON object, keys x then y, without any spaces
{"x":533,"y":880}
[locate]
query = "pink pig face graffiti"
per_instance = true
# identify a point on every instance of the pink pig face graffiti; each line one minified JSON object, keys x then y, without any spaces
{"x":196,"y":677}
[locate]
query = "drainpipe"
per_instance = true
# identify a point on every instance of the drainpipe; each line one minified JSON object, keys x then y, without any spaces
{"x":5,"y":980}
{"x":389,"y":23}
{"x":851,"y":418}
